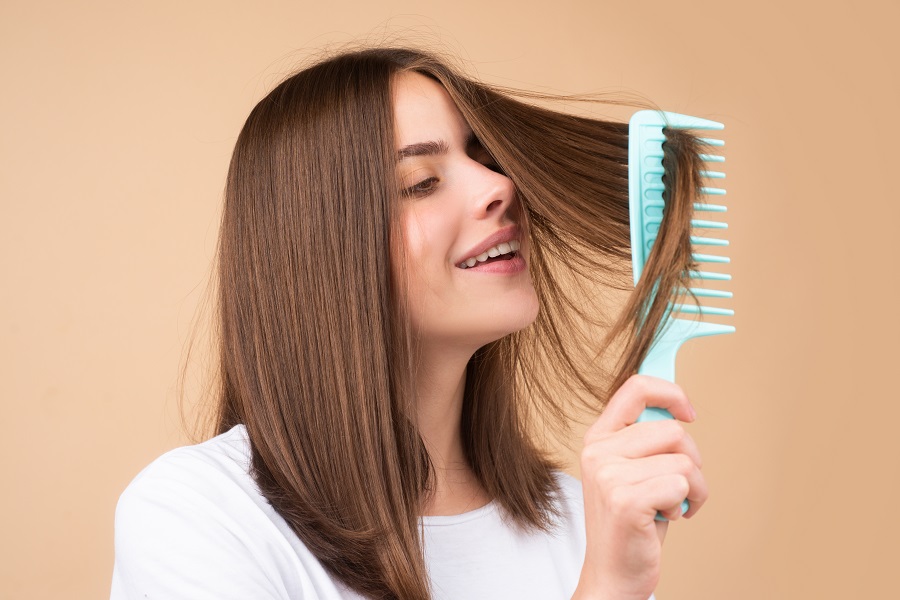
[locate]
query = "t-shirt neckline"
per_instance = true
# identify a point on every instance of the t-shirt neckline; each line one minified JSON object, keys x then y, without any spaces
{"x":444,"y":520}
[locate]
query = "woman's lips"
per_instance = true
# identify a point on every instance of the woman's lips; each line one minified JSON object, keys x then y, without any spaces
{"x":512,"y":265}
{"x":503,"y":235}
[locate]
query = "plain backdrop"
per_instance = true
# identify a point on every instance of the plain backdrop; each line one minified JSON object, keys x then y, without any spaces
{"x":117,"y":120}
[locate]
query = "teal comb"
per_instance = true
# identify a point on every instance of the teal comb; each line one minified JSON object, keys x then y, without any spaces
{"x":645,"y":193}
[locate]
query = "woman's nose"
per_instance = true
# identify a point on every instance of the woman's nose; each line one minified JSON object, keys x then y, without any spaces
{"x":494,"y":193}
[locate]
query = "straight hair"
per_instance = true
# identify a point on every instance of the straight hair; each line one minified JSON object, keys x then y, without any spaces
{"x":317,"y":358}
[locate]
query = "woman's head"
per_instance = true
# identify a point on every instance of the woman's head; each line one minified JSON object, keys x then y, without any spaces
{"x":358,"y":189}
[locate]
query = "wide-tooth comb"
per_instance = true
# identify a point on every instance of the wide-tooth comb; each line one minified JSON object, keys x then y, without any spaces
{"x":645,"y":190}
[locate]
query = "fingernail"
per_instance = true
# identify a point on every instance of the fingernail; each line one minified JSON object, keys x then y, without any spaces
{"x":693,"y":412}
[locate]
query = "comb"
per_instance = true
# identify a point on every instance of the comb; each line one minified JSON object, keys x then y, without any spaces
{"x":645,"y":191}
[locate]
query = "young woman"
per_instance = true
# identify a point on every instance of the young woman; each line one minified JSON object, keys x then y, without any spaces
{"x":410,"y":273}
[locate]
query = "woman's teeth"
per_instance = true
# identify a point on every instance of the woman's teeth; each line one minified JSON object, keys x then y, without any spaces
{"x":498,"y":250}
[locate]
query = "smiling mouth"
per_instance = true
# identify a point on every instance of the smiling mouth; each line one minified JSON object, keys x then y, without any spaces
{"x":504,"y":251}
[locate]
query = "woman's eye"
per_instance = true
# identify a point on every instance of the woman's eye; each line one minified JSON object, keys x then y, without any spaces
{"x":422,"y":188}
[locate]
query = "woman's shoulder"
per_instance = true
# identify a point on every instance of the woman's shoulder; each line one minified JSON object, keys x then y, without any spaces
{"x":180,"y":523}
{"x":222,"y":460}
{"x":168,"y":494}
{"x":204,"y":485}
{"x":193,"y":524}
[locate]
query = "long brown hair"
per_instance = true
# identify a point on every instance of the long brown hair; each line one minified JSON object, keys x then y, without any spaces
{"x":316,"y":356}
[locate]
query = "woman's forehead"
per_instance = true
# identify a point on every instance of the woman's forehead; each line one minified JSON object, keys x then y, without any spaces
{"x":424,"y":112}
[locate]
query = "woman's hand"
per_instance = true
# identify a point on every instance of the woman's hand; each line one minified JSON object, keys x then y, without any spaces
{"x":629,"y":472}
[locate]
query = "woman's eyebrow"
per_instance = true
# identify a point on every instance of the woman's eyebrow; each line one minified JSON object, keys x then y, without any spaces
{"x":432,"y":148}
{"x":424,"y":149}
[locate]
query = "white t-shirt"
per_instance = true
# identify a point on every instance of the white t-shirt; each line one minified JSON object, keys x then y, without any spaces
{"x":193,"y":525}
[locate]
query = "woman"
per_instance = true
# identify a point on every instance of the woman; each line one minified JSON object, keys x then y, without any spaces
{"x":390,"y":230}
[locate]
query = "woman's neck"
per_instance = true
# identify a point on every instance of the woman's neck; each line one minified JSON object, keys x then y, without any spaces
{"x":439,"y":395}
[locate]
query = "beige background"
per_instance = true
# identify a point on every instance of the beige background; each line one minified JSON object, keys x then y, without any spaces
{"x":116,"y":123}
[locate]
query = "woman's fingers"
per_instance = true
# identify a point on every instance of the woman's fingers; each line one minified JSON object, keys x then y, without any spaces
{"x":664,"y":494}
{"x":677,"y":470}
{"x":630,"y":400}
{"x":638,"y":503}
{"x":652,"y":437}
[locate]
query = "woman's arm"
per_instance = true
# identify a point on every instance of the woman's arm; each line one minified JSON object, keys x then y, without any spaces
{"x":630,"y":471}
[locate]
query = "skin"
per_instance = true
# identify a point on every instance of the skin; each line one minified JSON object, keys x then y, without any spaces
{"x":456,"y":198}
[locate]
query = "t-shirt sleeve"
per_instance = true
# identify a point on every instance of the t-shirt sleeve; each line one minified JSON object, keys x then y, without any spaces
{"x":180,"y":535}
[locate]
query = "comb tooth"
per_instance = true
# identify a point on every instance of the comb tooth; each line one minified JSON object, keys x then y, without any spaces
{"x":711,"y":191}
{"x":710,"y":258}
{"x":710,"y":207}
{"x":709,"y":276}
{"x":652,"y":160}
{"x":707,"y":241}
{"x":712,"y":158}
{"x":702,"y":310}
{"x":703,"y":224}
{"x":654,"y":176}
{"x":712,"y":174}
{"x":653,"y":194}
{"x":654,"y":211}
{"x":713,"y":142}
{"x":707,"y":293}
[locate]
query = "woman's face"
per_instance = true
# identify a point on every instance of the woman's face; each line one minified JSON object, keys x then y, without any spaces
{"x":457,"y":213}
